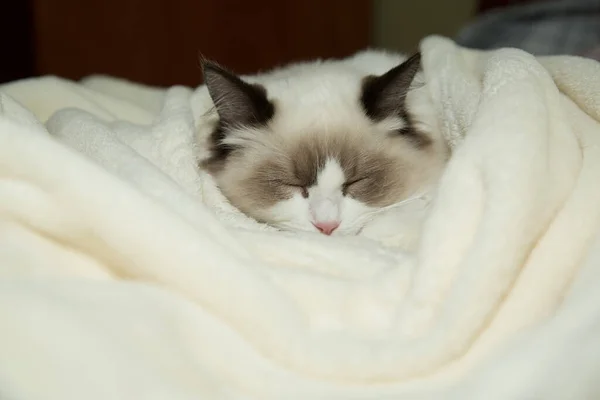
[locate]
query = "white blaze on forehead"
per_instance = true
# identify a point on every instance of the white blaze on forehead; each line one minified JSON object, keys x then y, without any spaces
{"x":331,"y":177}
{"x":326,"y":196}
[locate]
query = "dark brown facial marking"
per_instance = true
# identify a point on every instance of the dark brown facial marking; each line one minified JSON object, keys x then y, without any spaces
{"x":272,"y":180}
{"x":372,"y":176}
{"x":238,"y":104}
{"x":279,"y":177}
{"x":307,"y":161}
{"x":380,"y":182}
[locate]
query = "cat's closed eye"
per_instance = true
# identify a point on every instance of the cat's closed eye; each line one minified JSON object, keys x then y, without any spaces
{"x":347,"y":185}
{"x":303,"y":189}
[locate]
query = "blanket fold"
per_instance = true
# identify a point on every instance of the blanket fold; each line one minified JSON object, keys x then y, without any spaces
{"x":118,"y":254}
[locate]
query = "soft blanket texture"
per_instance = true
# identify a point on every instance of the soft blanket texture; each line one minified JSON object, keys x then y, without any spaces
{"x":125,"y":274}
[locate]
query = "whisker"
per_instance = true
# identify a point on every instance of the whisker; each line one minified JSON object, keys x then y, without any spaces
{"x":404,"y":202}
{"x":367,"y":217}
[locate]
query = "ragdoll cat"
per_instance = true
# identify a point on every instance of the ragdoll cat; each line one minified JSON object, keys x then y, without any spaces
{"x":323,"y":146}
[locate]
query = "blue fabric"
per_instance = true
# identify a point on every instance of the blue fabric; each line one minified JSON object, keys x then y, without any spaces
{"x":541,"y":28}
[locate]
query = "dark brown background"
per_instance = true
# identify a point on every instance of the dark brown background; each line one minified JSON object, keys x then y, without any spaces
{"x":17,"y":46}
{"x":159,"y":42}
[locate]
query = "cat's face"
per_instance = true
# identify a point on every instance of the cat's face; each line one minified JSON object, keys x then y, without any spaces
{"x":328,"y":164}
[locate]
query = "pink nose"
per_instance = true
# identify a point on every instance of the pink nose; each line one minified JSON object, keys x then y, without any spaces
{"x":326,"y":228}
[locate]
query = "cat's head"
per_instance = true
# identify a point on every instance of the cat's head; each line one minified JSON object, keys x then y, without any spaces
{"x":322,"y":149}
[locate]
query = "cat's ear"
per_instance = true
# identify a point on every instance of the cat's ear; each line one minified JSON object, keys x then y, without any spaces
{"x":383,"y":96}
{"x":238,"y":103}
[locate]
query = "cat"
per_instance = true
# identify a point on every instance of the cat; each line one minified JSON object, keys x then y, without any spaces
{"x":322,"y":146}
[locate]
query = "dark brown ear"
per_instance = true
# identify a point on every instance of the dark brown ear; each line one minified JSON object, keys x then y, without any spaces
{"x":238,"y":103}
{"x":383,"y":96}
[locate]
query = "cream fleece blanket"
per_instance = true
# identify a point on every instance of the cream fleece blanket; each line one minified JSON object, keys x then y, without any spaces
{"x":125,"y":275}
